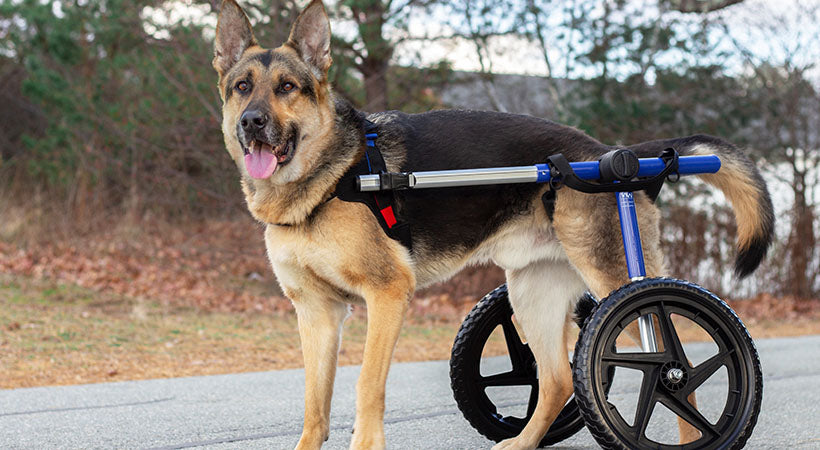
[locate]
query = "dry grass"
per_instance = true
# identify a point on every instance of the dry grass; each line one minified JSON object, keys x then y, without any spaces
{"x":56,"y":334}
{"x":60,"y":334}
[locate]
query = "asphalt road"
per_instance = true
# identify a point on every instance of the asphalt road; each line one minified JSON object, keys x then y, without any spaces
{"x":264,"y":410}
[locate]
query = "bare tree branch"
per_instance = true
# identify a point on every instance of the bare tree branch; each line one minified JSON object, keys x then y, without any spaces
{"x":700,"y":6}
{"x":340,"y":43}
{"x":179,"y":85}
{"x":542,"y":43}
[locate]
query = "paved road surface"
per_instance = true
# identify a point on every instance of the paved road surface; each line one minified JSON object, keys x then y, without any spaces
{"x":263,"y":410}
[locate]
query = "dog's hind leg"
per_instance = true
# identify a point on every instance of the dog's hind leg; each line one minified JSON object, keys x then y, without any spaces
{"x":589,"y":229}
{"x":590,"y":232}
{"x":386,"y":306}
{"x":542,"y":295}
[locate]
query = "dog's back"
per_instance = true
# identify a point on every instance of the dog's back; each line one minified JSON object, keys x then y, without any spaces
{"x":449,"y":221}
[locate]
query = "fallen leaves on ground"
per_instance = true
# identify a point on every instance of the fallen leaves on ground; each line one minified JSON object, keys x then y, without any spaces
{"x":216,"y":265}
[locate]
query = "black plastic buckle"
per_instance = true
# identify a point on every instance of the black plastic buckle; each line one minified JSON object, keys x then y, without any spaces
{"x":390,"y":181}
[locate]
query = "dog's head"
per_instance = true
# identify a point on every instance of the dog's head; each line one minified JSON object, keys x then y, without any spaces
{"x":276,"y":104}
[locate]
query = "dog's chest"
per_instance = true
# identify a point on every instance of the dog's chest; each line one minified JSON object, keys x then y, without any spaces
{"x":302,"y":263}
{"x":290,"y":247}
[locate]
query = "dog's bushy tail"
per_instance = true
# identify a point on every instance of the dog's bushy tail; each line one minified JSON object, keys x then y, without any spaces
{"x":742,"y":185}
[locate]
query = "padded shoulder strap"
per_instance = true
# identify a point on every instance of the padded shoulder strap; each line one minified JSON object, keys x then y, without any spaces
{"x":382,"y":203}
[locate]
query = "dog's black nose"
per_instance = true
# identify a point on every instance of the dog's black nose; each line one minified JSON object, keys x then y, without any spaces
{"x":253,"y":120}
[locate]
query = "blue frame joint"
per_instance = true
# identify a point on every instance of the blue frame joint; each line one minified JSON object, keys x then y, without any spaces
{"x":542,"y":173}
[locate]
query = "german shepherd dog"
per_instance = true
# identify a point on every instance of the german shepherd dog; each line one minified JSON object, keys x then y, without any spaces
{"x":292,"y":140}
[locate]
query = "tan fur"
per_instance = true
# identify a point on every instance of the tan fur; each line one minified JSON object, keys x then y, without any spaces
{"x":545,"y":324}
{"x":739,"y":188}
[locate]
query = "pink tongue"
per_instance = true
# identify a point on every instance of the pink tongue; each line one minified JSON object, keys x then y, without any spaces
{"x":261,"y":163}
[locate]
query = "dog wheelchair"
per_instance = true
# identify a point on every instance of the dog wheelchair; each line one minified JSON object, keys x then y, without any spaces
{"x":668,"y":375}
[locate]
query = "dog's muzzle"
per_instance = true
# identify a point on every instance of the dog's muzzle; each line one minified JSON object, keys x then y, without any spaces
{"x":264,"y":149}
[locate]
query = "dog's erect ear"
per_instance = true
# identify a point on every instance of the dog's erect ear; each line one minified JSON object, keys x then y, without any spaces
{"x":233,"y":36}
{"x":310,"y":36}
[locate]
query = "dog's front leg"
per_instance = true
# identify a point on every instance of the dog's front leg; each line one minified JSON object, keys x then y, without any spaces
{"x":385,"y":312}
{"x":320,"y":326}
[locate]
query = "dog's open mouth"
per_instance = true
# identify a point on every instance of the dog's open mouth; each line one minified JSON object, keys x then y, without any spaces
{"x":262,"y":159}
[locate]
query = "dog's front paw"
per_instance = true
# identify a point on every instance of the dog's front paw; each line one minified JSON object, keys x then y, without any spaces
{"x":515,"y":443}
{"x":311,"y":441}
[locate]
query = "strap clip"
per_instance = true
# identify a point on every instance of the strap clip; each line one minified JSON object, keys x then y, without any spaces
{"x":396,"y":181}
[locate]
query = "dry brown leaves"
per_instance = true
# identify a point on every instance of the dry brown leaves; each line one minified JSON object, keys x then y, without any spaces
{"x":770,"y":307}
{"x":215,"y":265}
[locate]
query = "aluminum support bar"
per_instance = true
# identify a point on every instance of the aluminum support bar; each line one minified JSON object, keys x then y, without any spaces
{"x":647,"y":331}
{"x":476,"y":177}
{"x":455,"y":178}
{"x":370,"y":183}
{"x":539,"y":173}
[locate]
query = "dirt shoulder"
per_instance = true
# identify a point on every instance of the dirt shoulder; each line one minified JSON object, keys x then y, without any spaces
{"x":59,"y":333}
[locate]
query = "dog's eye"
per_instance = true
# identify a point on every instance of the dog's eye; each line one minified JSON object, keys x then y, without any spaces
{"x":242,"y":86}
{"x":287,"y":87}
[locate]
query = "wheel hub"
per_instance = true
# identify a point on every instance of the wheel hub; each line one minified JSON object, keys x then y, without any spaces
{"x":674,"y":376}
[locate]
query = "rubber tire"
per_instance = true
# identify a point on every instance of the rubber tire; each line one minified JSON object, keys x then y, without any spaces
{"x":583,"y":362}
{"x":462,"y":368}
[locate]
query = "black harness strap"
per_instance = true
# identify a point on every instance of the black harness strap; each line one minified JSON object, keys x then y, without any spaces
{"x":381,"y":203}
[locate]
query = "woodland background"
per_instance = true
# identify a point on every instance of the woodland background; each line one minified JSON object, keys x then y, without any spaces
{"x":114,"y":176}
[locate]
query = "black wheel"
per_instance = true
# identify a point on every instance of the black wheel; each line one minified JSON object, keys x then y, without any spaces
{"x":667,"y":377}
{"x":470,"y":387}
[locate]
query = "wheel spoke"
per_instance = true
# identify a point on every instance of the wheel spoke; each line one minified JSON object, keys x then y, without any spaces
{"x":533,"y":401}
{"x":689,"y":413}
{"x":515,"y":347}
{"x":511,"y":378}
{"x":671,"y":342}
{"x":634,"y":360}
{"x":646,"y":403}
{"x":706,"y":369}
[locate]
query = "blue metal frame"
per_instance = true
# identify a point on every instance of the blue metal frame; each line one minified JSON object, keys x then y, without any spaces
{"x":537,"y":173}
{"x":540,"y":173}
{"x":631,"y":235}
{"x":633,"y":250}
{"x":687,"y":165}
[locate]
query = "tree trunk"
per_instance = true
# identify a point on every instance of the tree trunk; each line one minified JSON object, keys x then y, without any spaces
{"x":801,"y":242}
{"x":374,"y":71}
{"x":371,"y":16}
